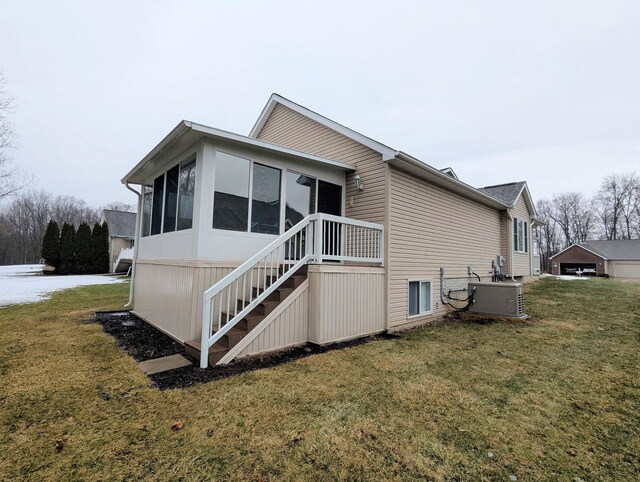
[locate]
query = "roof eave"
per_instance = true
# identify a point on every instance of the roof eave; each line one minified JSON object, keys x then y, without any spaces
{"x":185,"y":126}
{"x":444,"y":180}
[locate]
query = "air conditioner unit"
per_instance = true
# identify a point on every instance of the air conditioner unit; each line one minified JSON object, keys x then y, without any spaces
{"x":504,"y":300}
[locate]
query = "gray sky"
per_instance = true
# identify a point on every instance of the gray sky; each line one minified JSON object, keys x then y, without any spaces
{"x":547,"y":92}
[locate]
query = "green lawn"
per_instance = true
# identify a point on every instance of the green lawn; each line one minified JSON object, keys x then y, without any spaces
{"x":554,"y":399}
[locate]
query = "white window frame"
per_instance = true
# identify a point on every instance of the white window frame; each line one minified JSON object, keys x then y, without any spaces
{"x":422,"y":313}
{"x":517,"y":222}
{"x":193,"y":154}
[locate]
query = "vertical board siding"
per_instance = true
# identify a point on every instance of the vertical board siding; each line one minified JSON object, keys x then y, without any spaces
{"x":288,"y":128}
{"x":345,"y":302}
{"x":169,"y":296}
{"x":429,"y":228}
{"x":522,"y":261}
{"x":291,"y":327}
{"x":163,"y":297}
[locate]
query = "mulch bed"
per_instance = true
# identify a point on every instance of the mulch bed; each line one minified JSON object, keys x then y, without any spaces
{"x":143,"y":342}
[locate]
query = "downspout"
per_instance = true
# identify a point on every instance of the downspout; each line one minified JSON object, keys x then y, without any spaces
{"x":510,"y":244}
{"x":136,"y":239}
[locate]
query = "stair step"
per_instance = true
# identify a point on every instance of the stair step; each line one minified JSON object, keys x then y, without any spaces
{"x":216,"y":352}
{"x":232,"y":337}
{"x":278,"y":295}
{"x":249,"y":322}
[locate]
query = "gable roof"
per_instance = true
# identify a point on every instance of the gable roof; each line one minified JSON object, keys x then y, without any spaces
{"x":445,"y":178}
{"x":613,"y":249}
{"x":616,"y":248}
{"x":386,"y":151}
{"x":507,"y":193}
{"x":510,"y":192}
{"x":122,"y":224}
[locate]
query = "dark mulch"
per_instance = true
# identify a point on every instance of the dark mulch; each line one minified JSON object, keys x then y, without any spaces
{"x":143,"y":342}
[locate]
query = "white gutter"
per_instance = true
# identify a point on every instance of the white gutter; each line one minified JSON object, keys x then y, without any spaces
{"x":136,"y":239}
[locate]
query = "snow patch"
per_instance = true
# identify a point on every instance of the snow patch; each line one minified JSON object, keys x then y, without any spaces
{"x":25,"y":283}
{"x":572,"y":278}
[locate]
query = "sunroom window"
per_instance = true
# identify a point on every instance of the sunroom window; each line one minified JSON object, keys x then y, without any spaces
{"x":233,"y":176}
{"x":147,"y":198}
{"x":171,"y":200}
{"x":156,"y":213}
{"x":186,"y":193}
{"x":265,"y":200}
{"x":419,"y":297}
{"x":231,"y":192}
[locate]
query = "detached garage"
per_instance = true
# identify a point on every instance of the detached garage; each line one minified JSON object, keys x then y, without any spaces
{"x":618,"y":258}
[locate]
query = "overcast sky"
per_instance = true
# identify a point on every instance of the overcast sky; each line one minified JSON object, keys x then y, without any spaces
{"x":547,"y":92}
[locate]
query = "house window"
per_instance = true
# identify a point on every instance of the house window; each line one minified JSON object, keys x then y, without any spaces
{"x":147,"y":198}
{"x":520,"y":236}
{"x":186,"y":193}
{"x":419,"y":298}
{"x":171,"y":200}
{"x":265,"y":200}
{"x":231,"y":193}
{"x":156,"y":211}
{"x":235,"y":179}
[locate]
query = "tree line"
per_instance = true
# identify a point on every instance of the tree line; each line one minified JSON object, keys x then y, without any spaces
{"x":84,"y":251}
{"x":24,"y":218}
{"x":571,"y":217}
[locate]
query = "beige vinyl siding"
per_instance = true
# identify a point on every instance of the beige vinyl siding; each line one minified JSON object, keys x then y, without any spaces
{"x":169,"y":294}
{"x":289,"y":327}
{"x":288,"y":128}
{"x":345,"y":302}
{"x":429,"y":228}
{"x":522,"y":261}
{"x":163,"y":297}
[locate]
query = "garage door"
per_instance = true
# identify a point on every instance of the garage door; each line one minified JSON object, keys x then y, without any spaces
{"x":627,"y":270}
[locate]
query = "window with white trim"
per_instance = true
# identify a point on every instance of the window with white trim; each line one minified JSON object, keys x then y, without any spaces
{"x":520,"y":236}
{"x":420,"y":298}
{"x":167,"y":201}
{"x":240,"y":184}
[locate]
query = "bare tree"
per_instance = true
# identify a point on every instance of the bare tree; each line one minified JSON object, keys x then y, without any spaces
{"x":120,"y":206}
{"x":547,"y":234}
{"x":11,"y":178}
{"x":615,"y":204}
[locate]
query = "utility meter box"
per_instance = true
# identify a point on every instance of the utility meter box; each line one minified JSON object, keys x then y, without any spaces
{"x":504,"y":300}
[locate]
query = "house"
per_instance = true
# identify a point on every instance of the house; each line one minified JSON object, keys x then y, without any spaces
{"x":307,"y":231}
{"x":122,"y":229}
{"x":619,"y":258}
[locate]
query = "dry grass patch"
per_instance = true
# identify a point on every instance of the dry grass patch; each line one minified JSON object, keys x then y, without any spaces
{"x":552,"y":400}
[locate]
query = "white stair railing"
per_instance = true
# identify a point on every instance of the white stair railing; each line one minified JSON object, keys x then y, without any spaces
{"x":317,"y":238}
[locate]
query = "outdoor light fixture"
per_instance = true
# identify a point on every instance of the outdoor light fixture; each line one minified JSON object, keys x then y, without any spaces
{"x":359,"y":185}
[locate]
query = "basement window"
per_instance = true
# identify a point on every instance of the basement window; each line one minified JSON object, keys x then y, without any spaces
{"x":420,"y":298}
{"x":520,"y":236}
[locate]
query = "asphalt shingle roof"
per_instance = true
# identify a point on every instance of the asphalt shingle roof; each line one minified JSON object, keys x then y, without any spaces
{"x":615,"y":249}
{"x":507,"y":193}
{"x":121,"y":223}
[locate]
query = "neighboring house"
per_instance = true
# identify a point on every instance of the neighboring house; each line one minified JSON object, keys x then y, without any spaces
{"x":306,"y":230}
{"x":618,"y":258}
{"x":122,"y":229}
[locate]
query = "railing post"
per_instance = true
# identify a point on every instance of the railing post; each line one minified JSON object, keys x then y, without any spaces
{"x":381,"y":236}
{"x":206,"y":333}
{"x":318,"y":238}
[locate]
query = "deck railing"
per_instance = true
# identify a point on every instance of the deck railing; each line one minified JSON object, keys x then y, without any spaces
{"x":316,"y":239}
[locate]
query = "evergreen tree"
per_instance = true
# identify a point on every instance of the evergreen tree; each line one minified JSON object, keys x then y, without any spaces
{"x":100,"y":248}
{"x":84,"y":255}
{"x":67,"y":263}
{"x":51,"y":244}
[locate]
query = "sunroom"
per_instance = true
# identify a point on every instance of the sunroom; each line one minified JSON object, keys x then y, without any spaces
{"x":211,"y":203}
